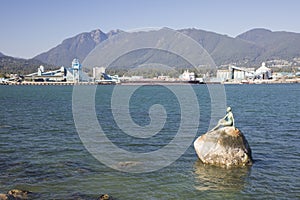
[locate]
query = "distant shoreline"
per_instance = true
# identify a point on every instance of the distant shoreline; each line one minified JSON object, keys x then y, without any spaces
{"x":158,"y":82}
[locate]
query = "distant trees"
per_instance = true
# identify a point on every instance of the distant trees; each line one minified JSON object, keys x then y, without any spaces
{"x":11,"y":65}
{"x":152,"y":72}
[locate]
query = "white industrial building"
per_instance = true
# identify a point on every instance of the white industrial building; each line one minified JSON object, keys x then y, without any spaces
{"x":73,"y":74}
{"x":98,"y":73}
{"x":234,"y":73}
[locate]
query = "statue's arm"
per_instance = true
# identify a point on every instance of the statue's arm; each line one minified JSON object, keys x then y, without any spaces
{"x":225,"y":116}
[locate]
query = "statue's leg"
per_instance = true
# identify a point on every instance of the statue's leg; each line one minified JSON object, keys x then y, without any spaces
{"x":227,"y":123}
{"x":216,"y":127}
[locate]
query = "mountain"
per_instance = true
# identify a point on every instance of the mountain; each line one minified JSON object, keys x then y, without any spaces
{"x":20,"y":66}
{"x":247,"y":49}
{"x":275,"y":45}
{"x":224,"y":49}
{"x":113,"y":32}
{"x":75,"y":47}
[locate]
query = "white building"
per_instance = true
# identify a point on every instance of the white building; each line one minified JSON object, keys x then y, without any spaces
{"x":263,"y":72}
{"x":235,"y":73}
{"x":187,"y":76}
{"x":223,"y":75}
{"x":97,"y":72}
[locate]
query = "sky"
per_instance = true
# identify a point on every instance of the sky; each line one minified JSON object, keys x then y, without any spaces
{"x":30,"y":27}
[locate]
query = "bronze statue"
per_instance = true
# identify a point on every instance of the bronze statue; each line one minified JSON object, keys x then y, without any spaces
{"x":227,"y":120}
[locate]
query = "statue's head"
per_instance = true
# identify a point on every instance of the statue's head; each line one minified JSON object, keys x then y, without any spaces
{"x":228,"y":109}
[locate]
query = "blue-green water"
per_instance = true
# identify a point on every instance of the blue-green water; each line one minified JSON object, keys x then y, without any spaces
{"x":40,"y":149}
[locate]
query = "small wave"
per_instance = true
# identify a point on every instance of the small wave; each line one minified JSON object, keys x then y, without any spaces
{"x":5,"y":126}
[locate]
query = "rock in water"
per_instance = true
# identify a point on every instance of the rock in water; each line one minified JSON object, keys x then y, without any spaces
{"x":18,"y":194}
{"x":105,"y":197}
{"x":226,"y":146}
{"x":3,"y":197}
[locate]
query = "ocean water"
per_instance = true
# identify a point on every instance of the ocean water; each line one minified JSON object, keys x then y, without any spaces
{"x":41,"y":151}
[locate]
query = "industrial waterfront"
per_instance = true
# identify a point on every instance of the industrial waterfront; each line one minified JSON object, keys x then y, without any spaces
{"x":75,"y":75}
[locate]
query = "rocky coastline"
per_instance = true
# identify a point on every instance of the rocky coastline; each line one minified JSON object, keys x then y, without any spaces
{"x":16,"y":194}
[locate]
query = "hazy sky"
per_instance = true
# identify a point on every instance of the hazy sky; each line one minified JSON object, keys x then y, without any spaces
{"x":29,"y":27}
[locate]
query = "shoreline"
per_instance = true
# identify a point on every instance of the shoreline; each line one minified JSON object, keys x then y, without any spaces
{"x":156,"y":82}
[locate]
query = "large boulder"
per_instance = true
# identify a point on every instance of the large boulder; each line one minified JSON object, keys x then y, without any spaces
{"x":226,"y":146}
